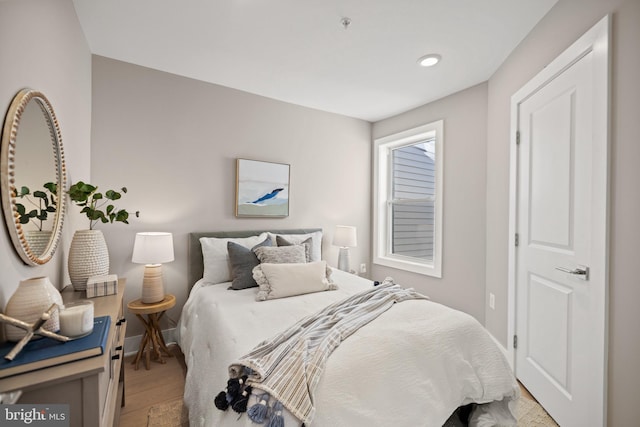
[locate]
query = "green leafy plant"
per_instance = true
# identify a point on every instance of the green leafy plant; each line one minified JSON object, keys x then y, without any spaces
{"x":42,"y":203}
{"x":92,"y":203}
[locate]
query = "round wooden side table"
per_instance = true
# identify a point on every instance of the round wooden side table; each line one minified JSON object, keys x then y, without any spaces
{"x":152,"y":342}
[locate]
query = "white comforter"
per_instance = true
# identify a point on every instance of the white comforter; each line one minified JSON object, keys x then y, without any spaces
{"x":412,"y":366}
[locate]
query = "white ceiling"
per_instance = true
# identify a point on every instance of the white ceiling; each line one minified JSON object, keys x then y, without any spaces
{"x":298,"y":51}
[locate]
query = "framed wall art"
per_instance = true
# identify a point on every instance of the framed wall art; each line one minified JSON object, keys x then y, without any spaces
{"x":262,"y":189}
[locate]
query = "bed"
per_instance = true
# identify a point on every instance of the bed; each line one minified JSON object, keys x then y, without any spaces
{"x":413,"y":364}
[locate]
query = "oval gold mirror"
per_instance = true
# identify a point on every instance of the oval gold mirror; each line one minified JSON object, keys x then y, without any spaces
{"x":33,"y":177}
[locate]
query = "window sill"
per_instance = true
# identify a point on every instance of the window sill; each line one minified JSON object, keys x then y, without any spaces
{"x":405,"y":265}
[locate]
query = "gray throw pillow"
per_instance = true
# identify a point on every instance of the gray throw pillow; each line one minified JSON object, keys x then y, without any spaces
{"x":243,"y":260}
{"x":281,"y":241}
{"x":279,"y":255}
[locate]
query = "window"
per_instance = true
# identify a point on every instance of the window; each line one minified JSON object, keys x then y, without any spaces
{"x":408,"y":200}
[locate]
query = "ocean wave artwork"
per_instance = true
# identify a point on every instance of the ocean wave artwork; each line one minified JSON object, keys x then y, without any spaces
{"x":262,"y":189}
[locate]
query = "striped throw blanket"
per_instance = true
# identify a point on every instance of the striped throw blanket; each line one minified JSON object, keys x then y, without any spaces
{"x":289,"y":366}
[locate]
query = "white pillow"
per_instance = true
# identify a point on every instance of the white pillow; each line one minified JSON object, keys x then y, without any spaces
{"x":315,"y":253}
{"x":285,"y":280}
{"x":215,"y":256}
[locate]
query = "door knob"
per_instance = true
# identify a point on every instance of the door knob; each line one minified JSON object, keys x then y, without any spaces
{"x":582,"y":271}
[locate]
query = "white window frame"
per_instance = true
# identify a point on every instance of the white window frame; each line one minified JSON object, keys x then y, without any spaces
{"x":382,"y":193}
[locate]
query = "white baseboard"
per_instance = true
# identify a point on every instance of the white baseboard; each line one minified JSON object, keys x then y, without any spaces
{"x":132,"y":344}
{"x":501,"y":347}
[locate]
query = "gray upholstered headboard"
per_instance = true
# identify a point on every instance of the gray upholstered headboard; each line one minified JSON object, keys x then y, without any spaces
{"x":196,"y":269}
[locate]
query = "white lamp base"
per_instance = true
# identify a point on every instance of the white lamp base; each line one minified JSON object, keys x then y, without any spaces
{"x":152,"y":286}
{"x":343,"y":259}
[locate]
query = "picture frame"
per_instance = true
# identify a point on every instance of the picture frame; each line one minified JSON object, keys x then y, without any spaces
{"x":262,"y":189}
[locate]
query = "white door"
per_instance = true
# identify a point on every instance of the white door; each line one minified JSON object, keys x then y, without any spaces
{"x":561,"y":225}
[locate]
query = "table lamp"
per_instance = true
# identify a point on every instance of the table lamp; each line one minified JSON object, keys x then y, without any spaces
{"x":152,"y":249}
{"x":345,"y":237}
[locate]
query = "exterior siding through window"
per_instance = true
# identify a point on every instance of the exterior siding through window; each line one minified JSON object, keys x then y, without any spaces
{"x":413,"y":200}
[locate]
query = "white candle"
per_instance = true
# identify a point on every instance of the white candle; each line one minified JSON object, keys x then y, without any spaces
{"x":76,"y":319}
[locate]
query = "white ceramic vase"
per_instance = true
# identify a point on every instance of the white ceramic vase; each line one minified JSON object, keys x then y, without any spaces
{"x":88,"y":256}
{"x":38,"y":240}
{"x":32,"y":298}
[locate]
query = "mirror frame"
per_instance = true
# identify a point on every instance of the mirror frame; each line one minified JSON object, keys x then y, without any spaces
{"x":8,"y":175}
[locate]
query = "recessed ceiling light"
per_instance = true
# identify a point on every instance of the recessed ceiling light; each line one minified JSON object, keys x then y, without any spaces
{"x":429,"y":60}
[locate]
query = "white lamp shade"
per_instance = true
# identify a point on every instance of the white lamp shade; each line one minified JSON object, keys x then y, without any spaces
{"x":345,"y":236}
{"x":153,"y":248}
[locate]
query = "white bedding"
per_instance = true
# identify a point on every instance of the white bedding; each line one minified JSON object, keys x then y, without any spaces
{"x":412,"y":366}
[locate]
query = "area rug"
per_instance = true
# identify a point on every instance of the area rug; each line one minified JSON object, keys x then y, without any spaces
{"x":168,"y":414}
{"x":174,"y":414}
{"x":531,"y":414}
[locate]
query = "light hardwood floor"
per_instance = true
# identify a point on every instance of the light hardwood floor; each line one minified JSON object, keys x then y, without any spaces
{"x":145,"y":388}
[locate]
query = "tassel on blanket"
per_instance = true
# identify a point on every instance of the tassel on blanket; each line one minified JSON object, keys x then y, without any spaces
{"x":258,"y":412}
{"x":231,"y":393}
{"x":240,"y":404}
{"x":276,"y":419}
{"x":234,"y":385}
{"x":221,"y":401}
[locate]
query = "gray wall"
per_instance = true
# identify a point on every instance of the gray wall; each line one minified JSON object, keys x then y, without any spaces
{"x":463,"y":270}
{"x":173,"y":143}
{"x":564,"y":24}
{"x":42,"y":47}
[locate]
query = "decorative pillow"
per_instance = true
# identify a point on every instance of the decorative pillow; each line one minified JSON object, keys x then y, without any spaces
{"x":315,"y":251}
{"x":215,"y":256}
{"x":242,"y":262}
{"x":282,"y":254}
{"x":285,"y":280}
{"x":281,"y":241}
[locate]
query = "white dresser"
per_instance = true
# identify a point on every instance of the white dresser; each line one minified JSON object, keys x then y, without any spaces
{"x":93,"y":387}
